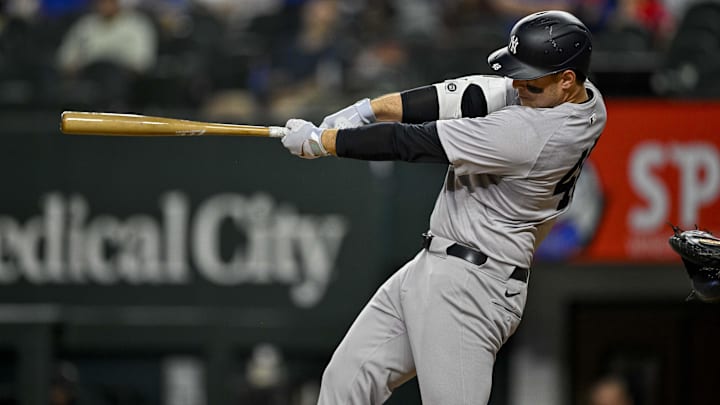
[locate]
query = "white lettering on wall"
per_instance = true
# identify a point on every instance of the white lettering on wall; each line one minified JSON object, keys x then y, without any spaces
{"x":647,"y":157}
{"x":698,"y":166}
{"x":66,"y":245}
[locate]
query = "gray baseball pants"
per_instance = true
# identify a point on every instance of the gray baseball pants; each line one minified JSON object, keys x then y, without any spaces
{"x":439,"y":317}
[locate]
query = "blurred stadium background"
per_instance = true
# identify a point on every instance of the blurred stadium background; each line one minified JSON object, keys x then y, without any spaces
{"x":224,"y":271}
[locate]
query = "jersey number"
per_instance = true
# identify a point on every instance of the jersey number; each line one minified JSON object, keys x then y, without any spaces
{"x":567,"y":183}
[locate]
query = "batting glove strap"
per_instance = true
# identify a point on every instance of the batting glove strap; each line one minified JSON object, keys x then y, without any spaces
{"x":365,"y":111}
{"x":356,"y":115}
{"x":314,"y":145}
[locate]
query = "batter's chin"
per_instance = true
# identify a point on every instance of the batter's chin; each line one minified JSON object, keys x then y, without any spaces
{"x":525,"y":101}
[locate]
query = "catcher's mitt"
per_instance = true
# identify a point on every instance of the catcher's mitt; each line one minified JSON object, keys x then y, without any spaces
{"x":700,"y":253}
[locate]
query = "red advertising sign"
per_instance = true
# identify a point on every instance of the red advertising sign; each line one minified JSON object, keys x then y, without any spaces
{"x":658,"y":163}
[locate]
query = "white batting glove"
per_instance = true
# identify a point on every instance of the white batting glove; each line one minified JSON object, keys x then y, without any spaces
{"x":303,"y":140}
{"x":356,"y":115}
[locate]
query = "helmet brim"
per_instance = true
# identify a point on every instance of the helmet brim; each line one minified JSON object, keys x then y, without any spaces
{"x":504,"y":63}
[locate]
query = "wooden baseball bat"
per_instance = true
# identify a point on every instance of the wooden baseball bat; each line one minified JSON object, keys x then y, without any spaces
{"x":111,"y":124}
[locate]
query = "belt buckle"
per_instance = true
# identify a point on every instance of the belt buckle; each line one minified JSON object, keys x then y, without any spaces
{"x":427,"y":239}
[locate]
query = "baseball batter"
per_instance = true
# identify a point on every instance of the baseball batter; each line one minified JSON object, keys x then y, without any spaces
{"x":515,"y":145}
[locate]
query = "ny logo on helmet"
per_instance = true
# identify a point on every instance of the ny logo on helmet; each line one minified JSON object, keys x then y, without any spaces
{"x":513,"y":44}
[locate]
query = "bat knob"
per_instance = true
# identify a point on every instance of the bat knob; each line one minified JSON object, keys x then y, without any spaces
{"x":278,"y":132}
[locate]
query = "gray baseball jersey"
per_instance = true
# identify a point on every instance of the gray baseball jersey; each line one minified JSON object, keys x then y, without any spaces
{"x":444,"y":318}
{"x":513,"y":173}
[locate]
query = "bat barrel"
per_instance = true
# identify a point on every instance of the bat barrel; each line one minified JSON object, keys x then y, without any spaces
{"x":110,"y":124}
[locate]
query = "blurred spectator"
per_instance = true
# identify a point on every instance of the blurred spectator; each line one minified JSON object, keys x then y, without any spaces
{"x":463,"y":13}
{"x":381,"y":67}
{"x":23,"y":9}
{"x":512,"y":10}
{"x":419,"y":18}
{"x":13,"y":32}
{"x":650,"y":16}
{"x":691,"y":62}
{"x":315,"y":43}
{"x":241,"y":12}
{"x":15,"y":58}
{"x":677,"y":8}
{"x":265,"y":380}
{"x":66,"y":388}
{"x":110,"y":34}
{"x":309,"y":63}
{"x":371,"y":20}
{"x":109,"y":47}
{"x":63,"y":386}
{"x":611,"y":390}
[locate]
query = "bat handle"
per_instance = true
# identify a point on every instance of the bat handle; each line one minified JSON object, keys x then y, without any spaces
{"x":277,"y":132}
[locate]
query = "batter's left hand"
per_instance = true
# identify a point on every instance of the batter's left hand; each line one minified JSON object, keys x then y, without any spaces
{"x":304,"y":139}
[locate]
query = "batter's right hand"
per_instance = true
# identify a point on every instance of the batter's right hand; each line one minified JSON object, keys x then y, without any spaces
{"x":356,"y":115}
{"x":303,"y":139}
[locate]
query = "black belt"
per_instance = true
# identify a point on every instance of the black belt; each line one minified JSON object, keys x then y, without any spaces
{"x":474,"y":256}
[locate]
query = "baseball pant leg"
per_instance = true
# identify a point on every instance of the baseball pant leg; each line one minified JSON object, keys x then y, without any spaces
{"x":374,"y":358}
{"x":458,"y":316}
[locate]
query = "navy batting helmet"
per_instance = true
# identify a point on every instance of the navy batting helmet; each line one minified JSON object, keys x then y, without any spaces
{"x":544,"y":43}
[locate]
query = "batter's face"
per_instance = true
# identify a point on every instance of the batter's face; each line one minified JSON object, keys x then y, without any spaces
{"x":107,"y":8}
{"x":546,"y":91}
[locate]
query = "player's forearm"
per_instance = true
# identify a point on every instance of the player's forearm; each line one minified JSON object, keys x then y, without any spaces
{"x":413,"y":106}
{"x":388,"y":107}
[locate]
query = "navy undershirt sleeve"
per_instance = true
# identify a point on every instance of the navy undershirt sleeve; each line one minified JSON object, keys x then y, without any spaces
{"x":392,"y":141}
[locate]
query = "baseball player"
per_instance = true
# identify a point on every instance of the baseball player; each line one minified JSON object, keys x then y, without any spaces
{"x":514,"y":146}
